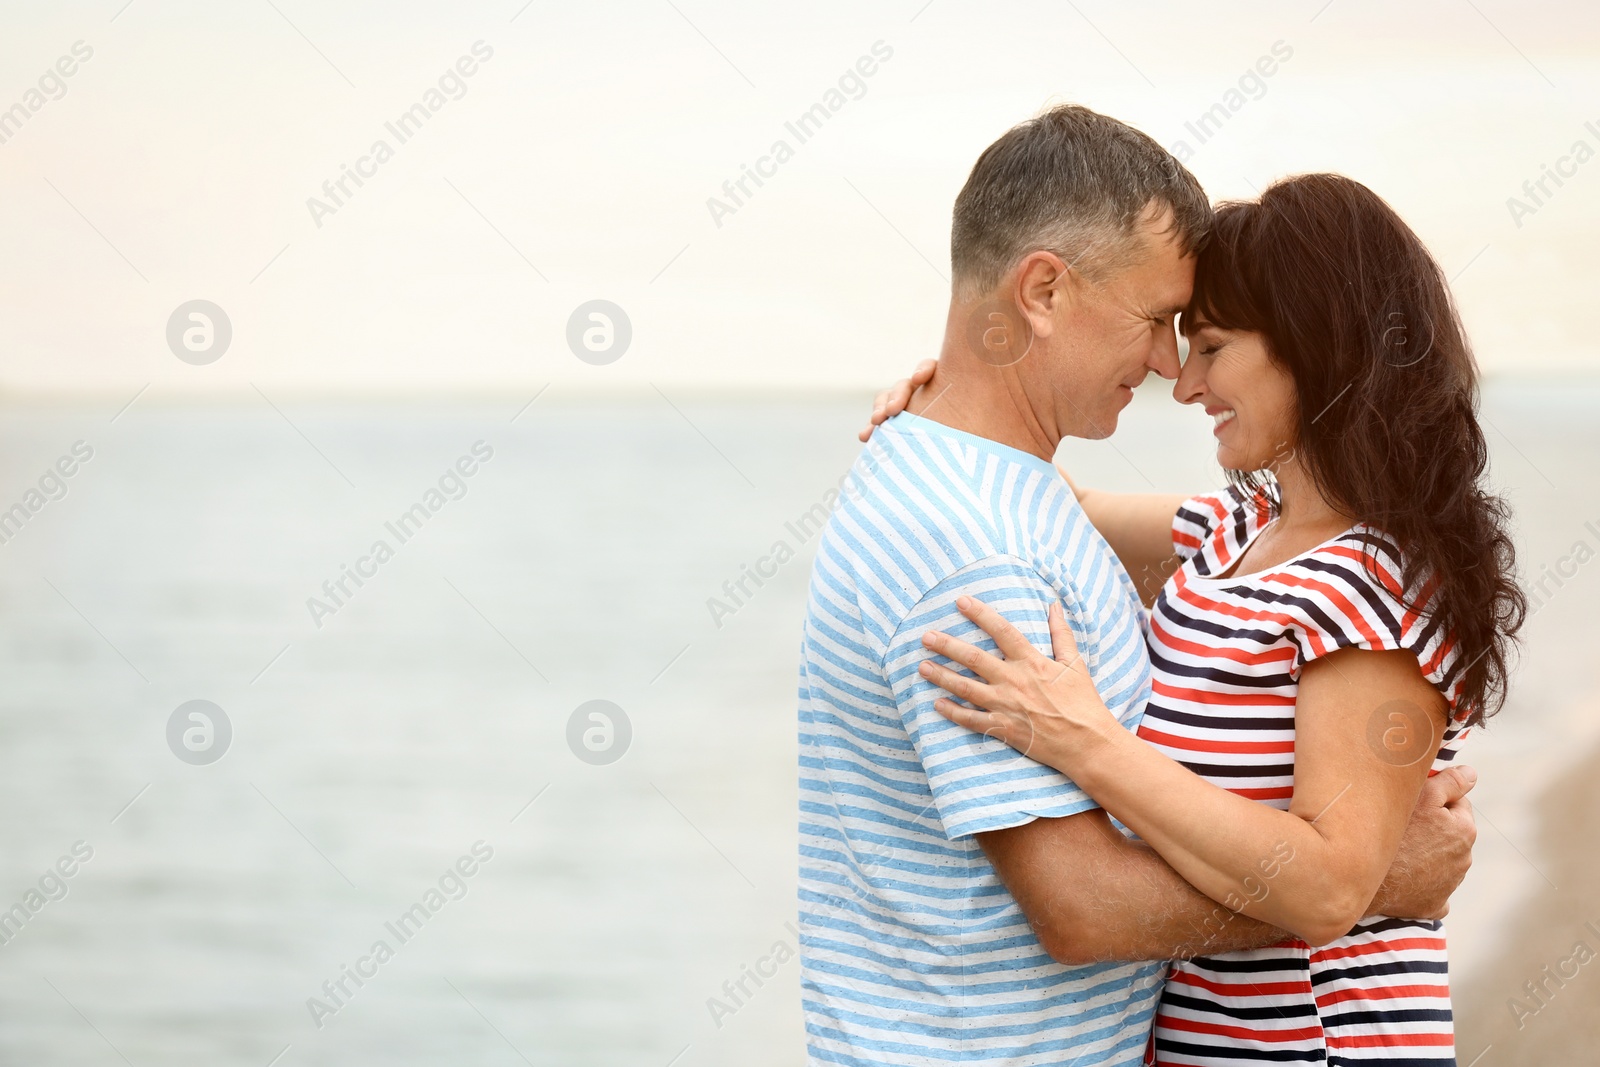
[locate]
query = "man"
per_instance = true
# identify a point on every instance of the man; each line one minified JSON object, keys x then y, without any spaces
{"x":957,"y":900}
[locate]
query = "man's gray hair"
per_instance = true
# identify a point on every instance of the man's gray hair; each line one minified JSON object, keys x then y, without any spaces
{"x":1073,"y":182}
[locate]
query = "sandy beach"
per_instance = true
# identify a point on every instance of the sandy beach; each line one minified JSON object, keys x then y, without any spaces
{"x":1535,"y":1002}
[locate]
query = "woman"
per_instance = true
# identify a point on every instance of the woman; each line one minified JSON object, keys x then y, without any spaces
{"x":1330,"y":628}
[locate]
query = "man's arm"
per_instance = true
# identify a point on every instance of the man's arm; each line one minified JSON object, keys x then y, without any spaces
{"x":1092,"y":895}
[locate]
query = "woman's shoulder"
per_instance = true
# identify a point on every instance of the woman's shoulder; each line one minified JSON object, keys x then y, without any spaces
{"x":1356,"y":591}
{"x":1365,"y":562}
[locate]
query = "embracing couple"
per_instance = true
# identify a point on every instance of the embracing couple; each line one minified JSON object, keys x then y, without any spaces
{"x":1092,"y":778}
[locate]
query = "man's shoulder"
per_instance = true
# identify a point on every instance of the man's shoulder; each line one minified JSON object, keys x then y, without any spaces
{"x":922,"y":475}
{"x":924,"y":508}
{"x":911,"y":503}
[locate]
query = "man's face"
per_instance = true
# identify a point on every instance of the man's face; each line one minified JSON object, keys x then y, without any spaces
{"x":1113,"y":333}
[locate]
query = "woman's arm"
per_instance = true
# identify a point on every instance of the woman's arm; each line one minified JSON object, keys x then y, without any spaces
{"x":1367,"y":726}
{"x":1137,"y":526}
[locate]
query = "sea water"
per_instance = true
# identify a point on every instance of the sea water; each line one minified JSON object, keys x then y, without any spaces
{"x":408,"y":656}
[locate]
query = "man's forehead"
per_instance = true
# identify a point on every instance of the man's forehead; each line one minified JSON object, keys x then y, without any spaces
{"x":1164,"y":267}
{"x":1166,"y":280}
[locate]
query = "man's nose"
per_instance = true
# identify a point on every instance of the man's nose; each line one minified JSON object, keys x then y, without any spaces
{"x":1164,"y":358}
{"x":1190,"y":384}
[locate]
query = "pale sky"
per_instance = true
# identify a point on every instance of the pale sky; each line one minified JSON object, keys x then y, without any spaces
{"x":578,"y":161}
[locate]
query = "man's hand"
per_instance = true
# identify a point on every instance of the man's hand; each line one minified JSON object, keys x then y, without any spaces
{"x":1436,"y":851}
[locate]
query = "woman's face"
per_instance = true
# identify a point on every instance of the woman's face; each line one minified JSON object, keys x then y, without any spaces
{"x":1250,"y":397}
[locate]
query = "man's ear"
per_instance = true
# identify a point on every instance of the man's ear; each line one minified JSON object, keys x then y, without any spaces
{"x":1043,"y":282}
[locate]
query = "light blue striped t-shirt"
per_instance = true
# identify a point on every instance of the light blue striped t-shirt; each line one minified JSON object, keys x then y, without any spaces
{"x":912,"y":950}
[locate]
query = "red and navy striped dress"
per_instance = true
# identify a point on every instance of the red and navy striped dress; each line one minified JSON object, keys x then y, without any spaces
{"x":1227,"y":655}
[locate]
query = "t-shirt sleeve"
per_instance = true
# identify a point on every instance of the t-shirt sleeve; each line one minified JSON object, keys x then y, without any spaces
{"x":1348,"y":595}
{"x":978,"y":783}
{"x":1198,"y":518}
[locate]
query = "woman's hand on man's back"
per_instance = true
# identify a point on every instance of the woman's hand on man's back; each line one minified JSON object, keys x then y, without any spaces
{"x":893,"y":400}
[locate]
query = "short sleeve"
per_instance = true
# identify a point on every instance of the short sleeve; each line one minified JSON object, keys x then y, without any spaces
{"x":978,"y":783}
{"x":1348,"y":594}
{"x":1198,"y":518}
{"x":1210,"y":530}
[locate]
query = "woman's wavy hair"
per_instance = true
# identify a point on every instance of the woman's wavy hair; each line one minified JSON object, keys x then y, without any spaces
{"x":1357,"y":311}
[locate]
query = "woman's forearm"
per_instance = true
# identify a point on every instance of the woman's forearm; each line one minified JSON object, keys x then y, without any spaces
{"x":1312,"y":869}
{"x":1138,"y":527}
{"x":1268,"y":864}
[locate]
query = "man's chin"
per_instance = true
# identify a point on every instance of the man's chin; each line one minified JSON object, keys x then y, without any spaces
{"x":1104,"y":425}
{"x":1099,"y":422}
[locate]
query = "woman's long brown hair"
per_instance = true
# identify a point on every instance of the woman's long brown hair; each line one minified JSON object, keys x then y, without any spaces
{"x":1357,"y":311}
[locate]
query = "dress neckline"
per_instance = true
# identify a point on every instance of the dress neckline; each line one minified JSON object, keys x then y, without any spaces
{"x":1219,"y":539}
